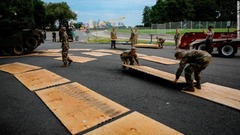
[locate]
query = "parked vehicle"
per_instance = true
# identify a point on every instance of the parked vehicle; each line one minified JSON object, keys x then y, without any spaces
{"x":16,"y":39}
{"x":226,"y":42}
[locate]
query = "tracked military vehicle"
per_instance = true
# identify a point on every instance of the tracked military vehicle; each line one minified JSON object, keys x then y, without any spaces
{"x":16,"y":38}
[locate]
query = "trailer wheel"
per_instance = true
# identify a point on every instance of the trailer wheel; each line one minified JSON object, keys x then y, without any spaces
{"x":227,"y":50}
{"x":18,"y":50}
{"x":201,"y":47}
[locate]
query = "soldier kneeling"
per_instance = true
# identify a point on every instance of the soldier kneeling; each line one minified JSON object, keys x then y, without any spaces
{"x":130,"y":56}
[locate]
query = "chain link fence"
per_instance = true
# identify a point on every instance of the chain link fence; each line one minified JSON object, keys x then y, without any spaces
{"x":161,"y":28}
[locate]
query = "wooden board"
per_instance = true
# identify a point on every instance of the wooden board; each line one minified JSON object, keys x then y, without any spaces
{"x":80,"y":49}
{"x":53,"y":51}
{"x":157,"y":73}
{"x":219,"y":94}
{"x":78,"y":59}
{"x":78,"y":107}
{"x":109,"y":51}
{"x":16,"y":67}
{"x":160,"y":60}
{"x":96,"y":53}
{"x":39,"y":79}
{"x":146,"y":45}
{"x":49,"y":54}
{"x":134,"y":124}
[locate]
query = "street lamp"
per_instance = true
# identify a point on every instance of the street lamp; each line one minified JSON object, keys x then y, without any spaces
{"x":15,"y":14}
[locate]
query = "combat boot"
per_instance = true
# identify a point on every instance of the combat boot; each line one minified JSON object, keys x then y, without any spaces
{"x":198,"y":85}
{"x":189,"y":88}
{"x":69,"y":62}
{"x":64,"y":65}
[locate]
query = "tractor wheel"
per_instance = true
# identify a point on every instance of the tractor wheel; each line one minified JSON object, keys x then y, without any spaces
{"x":18,"y":50}
{"x":227,"y":50}
{"x":7,"y":51}
{"x":201,"y":47}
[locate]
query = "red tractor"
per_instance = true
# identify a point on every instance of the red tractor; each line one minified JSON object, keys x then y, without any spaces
{"x":226,"y":42}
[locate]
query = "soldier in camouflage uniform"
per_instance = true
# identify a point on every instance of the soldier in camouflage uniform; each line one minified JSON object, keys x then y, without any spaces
{"x":65,"y":47}
{"x":129,"y":56}
{"x":160,"y":42}
{"x":198,"y":60}
{"x":113,"y":36}
{"x":133,"y":37}
{"x":177,"y":38}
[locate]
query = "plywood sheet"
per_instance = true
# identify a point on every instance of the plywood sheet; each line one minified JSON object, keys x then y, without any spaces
{"x":146,"y":45}
{"x":80,"y":49}
{"x":78,"y":107}
{"x":53,"y":51}
{"x":50,"y":54}
{"x":39,"y":79}
{"x":109,"y":51}
{"x":16,"y":67}
{"x":160,"y":60}
{"x":134,"y":124}
{"x":97,"y":54}
{"x":78,"y":59}
{"x":219,"y":94}
{"x":157,"y":73}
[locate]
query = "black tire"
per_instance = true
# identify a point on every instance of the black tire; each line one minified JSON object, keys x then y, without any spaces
{"x":201,"y":47}
{"x":18,"y":50}
{"x":7,"y":51}
{"x":227,"y":50}
{"x":31,"y":42}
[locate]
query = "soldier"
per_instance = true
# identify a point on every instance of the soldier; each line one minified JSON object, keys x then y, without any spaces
{"x":132,"y":38}
{"x":113,"y":35}
{"x":136,"y":35}
{"x":176,"y":38}
{"x":209,"y":38}
{"x":198,"y":60}
{"x":130,"y":56}
{"x":160,"y":42}
{"x":65,"y":47}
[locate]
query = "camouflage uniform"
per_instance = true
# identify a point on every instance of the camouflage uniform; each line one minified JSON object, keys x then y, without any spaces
{"x":176,"y":39}
{"x":133,"y":38}
{"x":65,"y":47}
{"x":113,"y":35}
{"x":198,"y":60}
{"x":160,"y":42}
{"x":127,"y":56}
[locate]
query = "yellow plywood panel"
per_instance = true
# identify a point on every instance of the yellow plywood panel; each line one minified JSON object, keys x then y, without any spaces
{"x":134,"y":124}
{"x":80,"y":49}
{"x":219,"y":94}
{"x":50,"y":54}
{"x":109,"y":51}
{"x":161,"y":60}
{"x":39,"y":79}
{"x":141,"y":55}
{"x":16,"y":67}
{"x":157,"y":73}
{"x":96,"y":53}
{"x":78,"y":59}
{"x":146,"y":45}
{"x":53,"y":51}
{"x":78,"y":107}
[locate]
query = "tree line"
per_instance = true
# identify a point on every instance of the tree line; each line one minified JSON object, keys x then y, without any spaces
{"x":190,"y":10}
{"x":35,"y":13}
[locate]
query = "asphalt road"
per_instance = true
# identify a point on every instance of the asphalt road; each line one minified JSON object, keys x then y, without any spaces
{"x":22,"y":112}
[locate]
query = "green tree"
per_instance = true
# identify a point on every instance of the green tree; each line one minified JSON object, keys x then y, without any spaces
{"x":205,"y":10}
{"x":146,"y":16}
{"x":158,"y":13}
{"x":58,"y":12}
{"x":227,"y":10}
{"x":179,"y":10}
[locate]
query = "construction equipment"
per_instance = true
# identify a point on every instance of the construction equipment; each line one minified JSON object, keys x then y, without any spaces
{"x":16,"y":38}
{"x":226,"y":42}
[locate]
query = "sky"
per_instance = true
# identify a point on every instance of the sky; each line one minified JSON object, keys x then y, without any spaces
{"x":106,"y":10}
